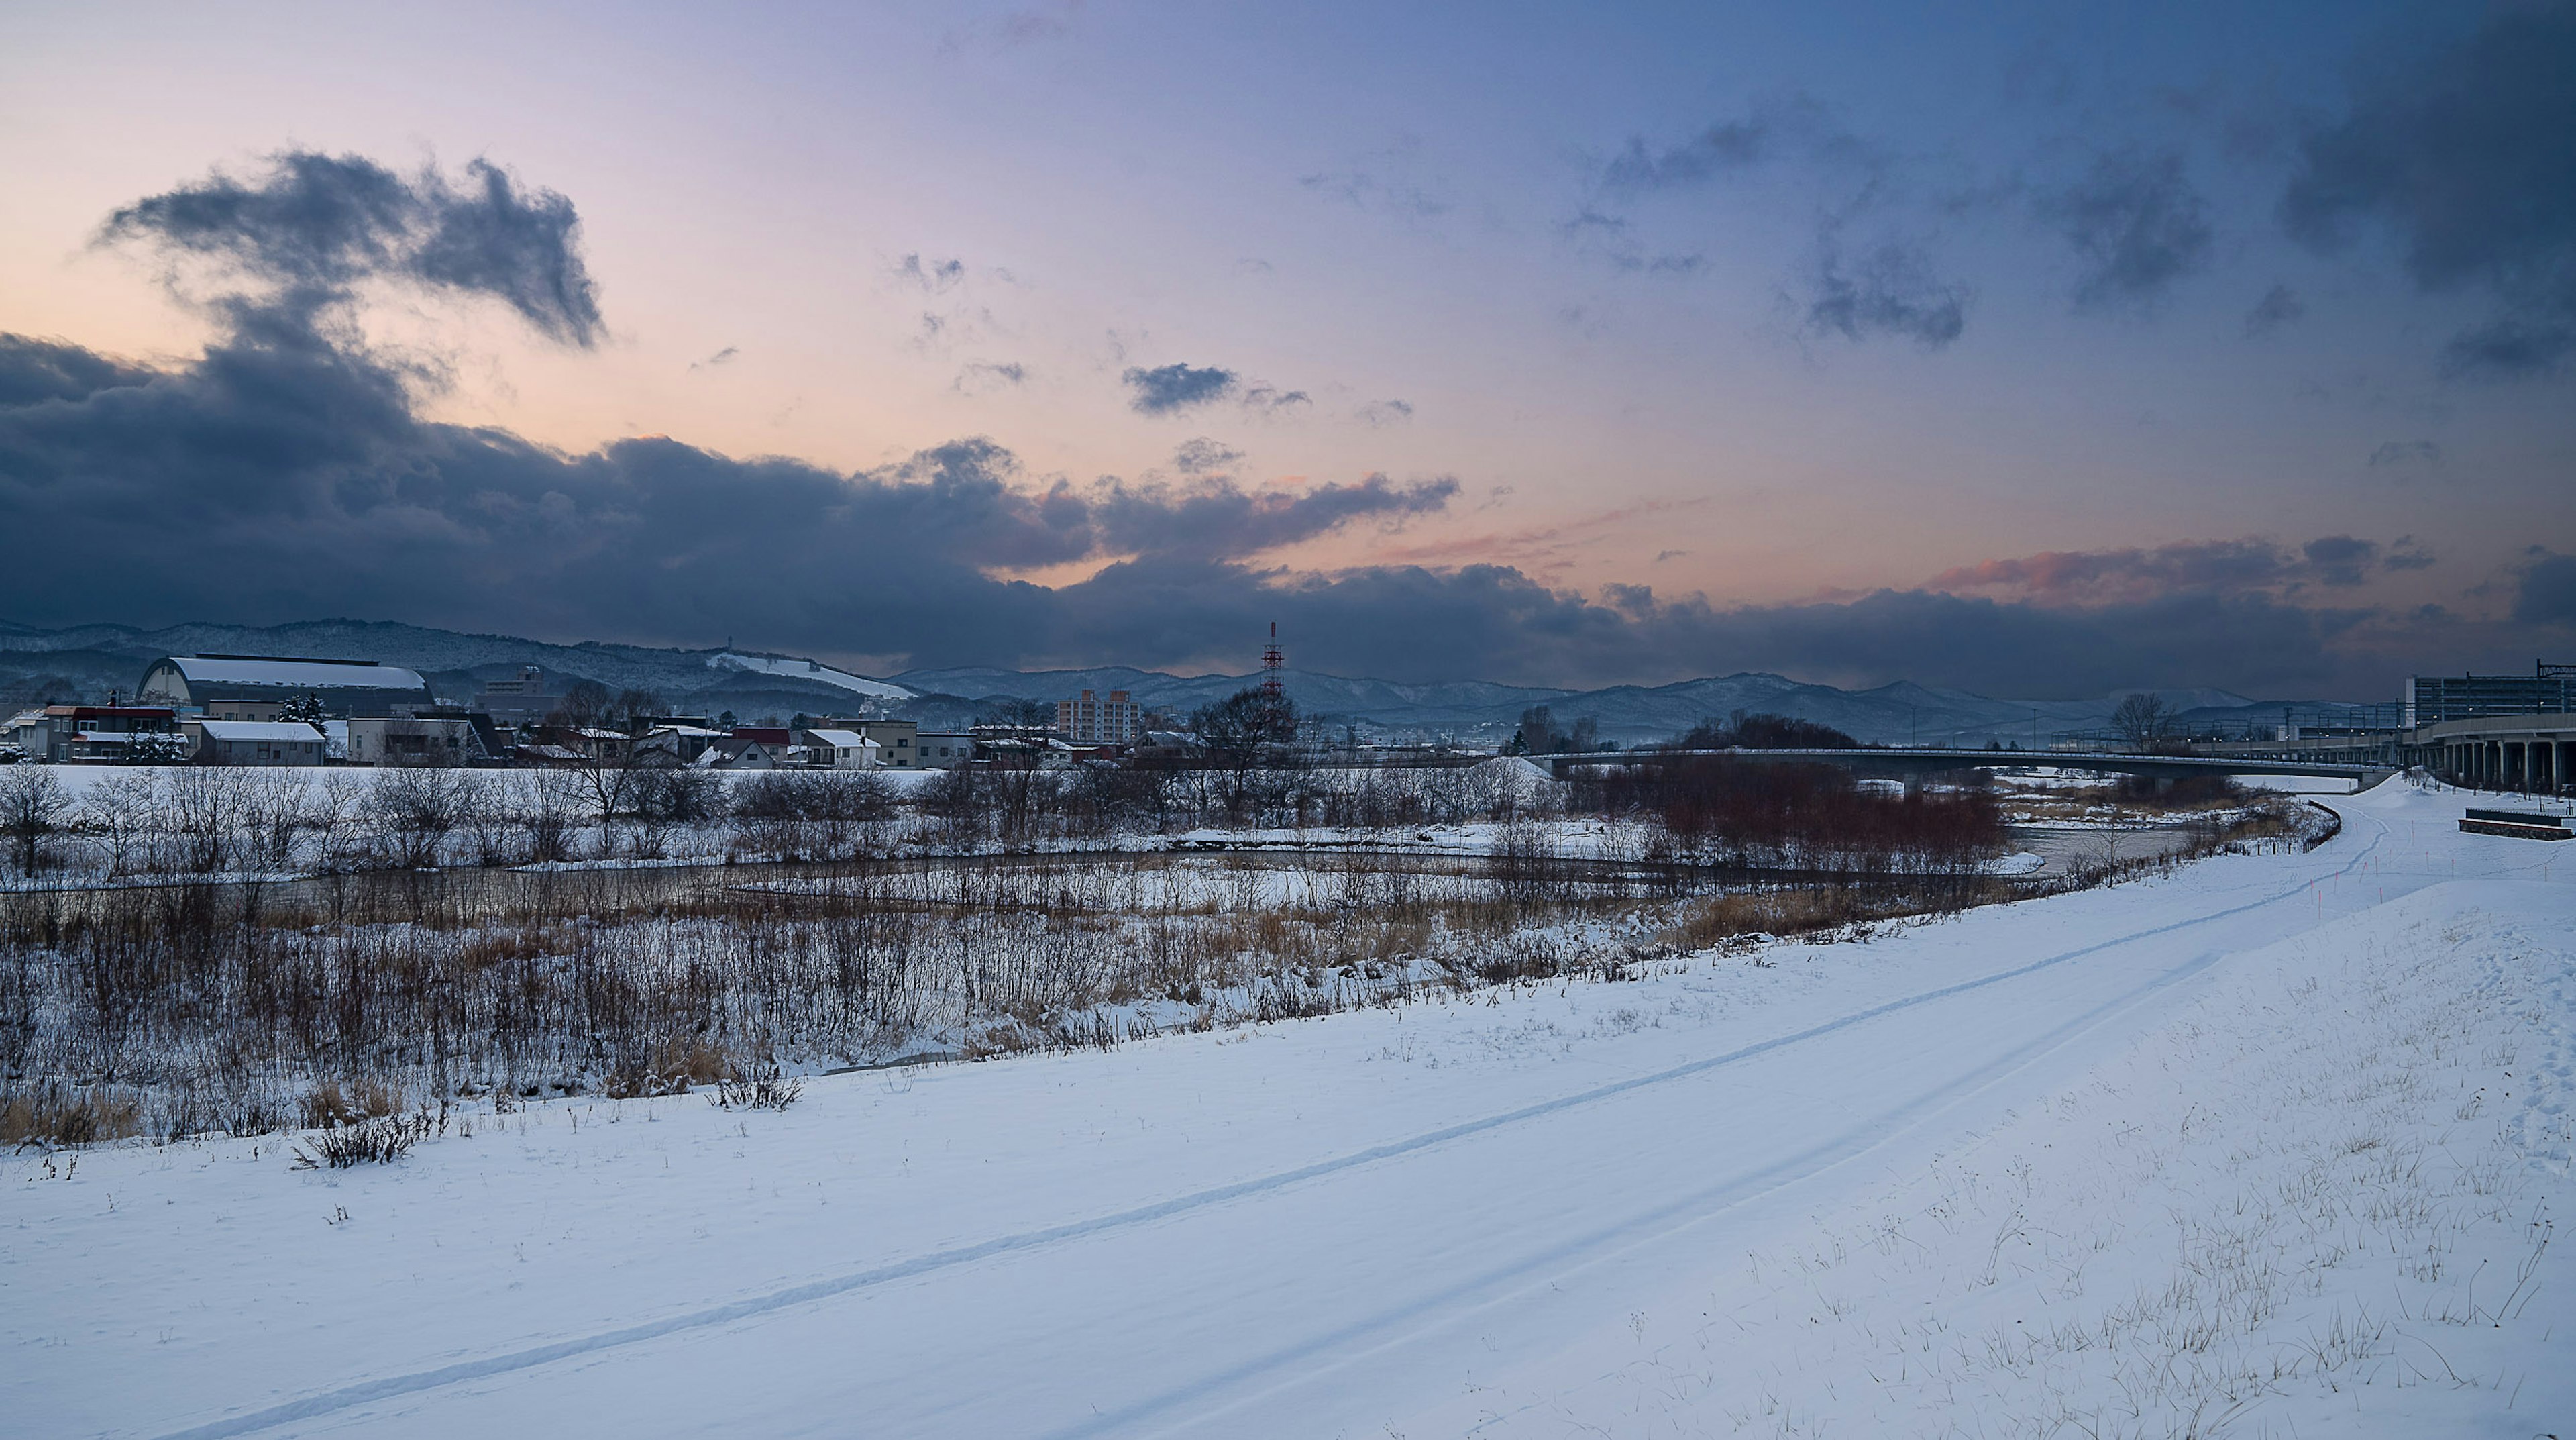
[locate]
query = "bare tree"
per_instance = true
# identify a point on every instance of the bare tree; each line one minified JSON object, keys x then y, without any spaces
{"x":2144,"y":721}
{"x":32,"y":806}
{"x":118,"y":810}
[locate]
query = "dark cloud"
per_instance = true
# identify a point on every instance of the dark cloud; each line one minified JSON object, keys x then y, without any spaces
{"x":2405,"y":452}
{"x":2466,"y":155}
{"x":314,"y":227}
{"x":2138,"y":575}
{"x":721,"y":357}
{"x":1887,"y":288}
{"x":2545,"y":592}
{"x":2280,"y":306}
{"x":287,"y":473}
{"x":2137,"y":224}
{"x":1888,"y":291}
{"x":2340,"y":559}
{"x":33,"y":370}
{"x":1203,"y":456}
{"x":2407,"y":553}
{"x":1387,"y":412}
{"x":1166,"y":389}
{"x":1216,"y":519}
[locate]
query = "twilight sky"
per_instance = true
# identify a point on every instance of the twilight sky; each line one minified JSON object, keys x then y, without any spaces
{"x":2040,"y":354}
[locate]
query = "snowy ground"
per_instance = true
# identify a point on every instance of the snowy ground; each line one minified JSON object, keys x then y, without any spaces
{"x":2270,"y":1146}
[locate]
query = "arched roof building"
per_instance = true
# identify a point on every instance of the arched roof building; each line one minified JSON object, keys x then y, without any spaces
{"x":344,"y":687}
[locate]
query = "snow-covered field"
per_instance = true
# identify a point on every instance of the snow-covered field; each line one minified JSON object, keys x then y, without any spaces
{"x":2269,"y":1146}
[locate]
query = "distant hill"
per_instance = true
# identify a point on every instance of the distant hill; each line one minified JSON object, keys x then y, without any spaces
{"x":86,"y":662}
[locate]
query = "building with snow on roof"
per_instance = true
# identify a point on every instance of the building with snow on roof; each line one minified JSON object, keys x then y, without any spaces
{"x":255,"y":742}
{"x":204,"y":684}
{"x":841,"y":750}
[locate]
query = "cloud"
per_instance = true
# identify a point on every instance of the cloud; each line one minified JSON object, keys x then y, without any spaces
{"x":2405,"y":452}
{"x":2466,"y":155}
{"x":2545,"y":590}
{"x":1167,"y":389}
{"x":1886,"y":288}
{"x":1726,"y":147}
{"x":2340,"y":559}
{"x":1387,"y":412}
{"x":1213,"y":518}
{"x":983,"y":377}
{"x":2138,"y":575}
{"x":287,"y":473}
{"x":2406,"y":553}
{"x":313,"y":227}
{"x":2137,"y":224}
{"x":1890,"y":291}
{"x":1203,"y":456}
{"x":33,"y":370}
{"x":932,"y":276}
{"x":1271,"y":398}
{"x":718,"y":358}
{"x":2279,"y":307}
{"x":1402,"y":199}
{"x":1613,"y":239}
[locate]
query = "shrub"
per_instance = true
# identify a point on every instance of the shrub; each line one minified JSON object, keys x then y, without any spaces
{"x":380,"y":1141}
{"x":763,"y":1087}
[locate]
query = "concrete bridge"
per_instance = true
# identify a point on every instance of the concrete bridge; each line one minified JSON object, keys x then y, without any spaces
{"x":1914,"y":763}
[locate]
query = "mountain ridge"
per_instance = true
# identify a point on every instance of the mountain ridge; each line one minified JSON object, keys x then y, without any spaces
{"x":90,"y":660}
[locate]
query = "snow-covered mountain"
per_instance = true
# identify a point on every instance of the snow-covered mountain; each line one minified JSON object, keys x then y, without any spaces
{"x":90,"y":660}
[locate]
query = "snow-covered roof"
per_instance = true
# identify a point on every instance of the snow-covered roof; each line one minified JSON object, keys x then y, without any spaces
{"x":295,"y":674}
{"x":841,"y":739}
{"x":261,"y":731}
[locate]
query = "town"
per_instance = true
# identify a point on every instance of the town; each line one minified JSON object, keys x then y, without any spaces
{"x":2508,"y":733}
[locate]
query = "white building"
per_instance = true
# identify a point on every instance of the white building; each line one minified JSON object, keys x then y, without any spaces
{"x":841,"y":750}
{"x":208,"y":684}
{"x":1091,"y":719}
{"x":943,"y":751}
{"x":256,"y":742}
{"x":406,"y":740}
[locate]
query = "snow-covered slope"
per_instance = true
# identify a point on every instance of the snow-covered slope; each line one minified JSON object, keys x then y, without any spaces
{"x":2274,"y":1141}
{"x":813,"y":670}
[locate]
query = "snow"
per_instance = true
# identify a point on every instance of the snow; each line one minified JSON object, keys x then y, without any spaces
{"x":2265,"y":1146}
{"x":809,"y":670}
{"x":297,"y":674}
{"x":273,"y":731}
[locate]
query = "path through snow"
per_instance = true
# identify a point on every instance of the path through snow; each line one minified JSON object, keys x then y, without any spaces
{"x":1817,"y":1190}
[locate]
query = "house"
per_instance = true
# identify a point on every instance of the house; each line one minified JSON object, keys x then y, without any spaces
{"x":55,"y":732}
{"x":744,"y":754}
{"x":440,"y":738}
{"x":255,"y":742}
{"x":1089,"y":719}
{"x":207,"y":684}
{"x":841,"y":750}
{"x":897,"y":741}
{"x":682,"y":743}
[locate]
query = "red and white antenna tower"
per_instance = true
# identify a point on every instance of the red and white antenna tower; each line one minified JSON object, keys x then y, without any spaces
{"x":1271,"y":664}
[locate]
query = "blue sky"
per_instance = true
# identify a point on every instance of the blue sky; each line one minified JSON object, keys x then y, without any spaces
{"x":2042,"y":353}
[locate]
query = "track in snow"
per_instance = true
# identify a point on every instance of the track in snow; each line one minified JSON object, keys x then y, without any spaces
{"x":1258,"y":1371}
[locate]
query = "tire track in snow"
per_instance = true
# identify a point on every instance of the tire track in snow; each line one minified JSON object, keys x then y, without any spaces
{"x":390,"y":1386}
